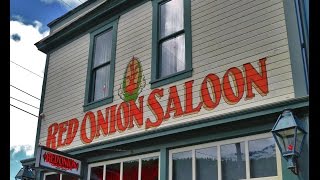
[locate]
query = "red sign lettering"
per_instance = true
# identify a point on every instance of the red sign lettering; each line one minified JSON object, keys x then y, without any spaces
{"x":124,"y":116}
{"x":60,"y":161}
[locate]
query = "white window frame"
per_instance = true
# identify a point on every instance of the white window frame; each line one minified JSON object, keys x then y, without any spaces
{"x":139,"y":157}
{"x":50,"y":173}
{"x":224,"y":142}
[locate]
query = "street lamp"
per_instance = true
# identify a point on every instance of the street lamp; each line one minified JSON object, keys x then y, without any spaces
{"x":289,"y":135}
{"x":25,"y":173}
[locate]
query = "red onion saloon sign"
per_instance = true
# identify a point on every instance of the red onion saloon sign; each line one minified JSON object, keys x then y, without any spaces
{"x":57,"y":161}
{"x":119,"y":118}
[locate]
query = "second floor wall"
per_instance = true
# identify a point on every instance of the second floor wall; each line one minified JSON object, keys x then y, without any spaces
{"x":231,"y":41}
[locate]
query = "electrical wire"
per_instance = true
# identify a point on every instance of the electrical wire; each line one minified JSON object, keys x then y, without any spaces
{"x":26,"y":69}
{"x":23,"y":102}
{"x":66,"y":4}
{"x":24,"y":92}
{"x":23,"y":110}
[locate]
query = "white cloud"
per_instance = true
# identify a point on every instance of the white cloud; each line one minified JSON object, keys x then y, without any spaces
{"x":17,"y":18}
{"x":23,"y":148}
{"x":68,"y":4}
{"x":23,"y":126}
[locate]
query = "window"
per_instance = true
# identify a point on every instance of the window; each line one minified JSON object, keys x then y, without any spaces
{"x":252,"y":157}
{"x":182,"y":165}
{"x":55,"y":176}
{"x":171,"y":42}
{"x":206,"y":163}
{"x":143,"y":167}
{"x":100,"y":74}
{"x":233,"y":163}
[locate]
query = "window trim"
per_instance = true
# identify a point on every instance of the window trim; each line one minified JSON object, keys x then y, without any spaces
{"x":89,"y":87}
{"x":224,"y":142}
{"x":51,"y":173}
{"x":121,"y":160}
{"x":155,"y":81}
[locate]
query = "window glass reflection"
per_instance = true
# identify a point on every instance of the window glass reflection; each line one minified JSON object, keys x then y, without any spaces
{"x":171,"y":19}
{"x":262,"y":155}
{"x":96,"y":173}
{"x":182,"y":165}
{"x":233,"y":163}
{"x":101,"y":88}
{"x":172,"y":56}
{"x":206,"y":162}
{"x":102,"y":48}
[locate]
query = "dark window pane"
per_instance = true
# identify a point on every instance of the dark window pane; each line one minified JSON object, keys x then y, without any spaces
{"x":102,"y":77}
{"x":69,"y":177}
{"x":130,"y":170}
{"x":182,"y":166}
{"x":206,"y":164}
{"x":262,"y":155}
{"x":53,"y":177}
{"x":172,"y":56}
{"x":113,"y":172}
{"x":171,"y":18}
{"x":233,"y":163}
{"x":150,"y":168}
{"x":96,"y":173}
{"x":102,"y":48}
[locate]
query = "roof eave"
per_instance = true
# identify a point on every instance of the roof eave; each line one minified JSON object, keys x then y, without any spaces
{"x":70,"y":13}
{"x":104,"y":11}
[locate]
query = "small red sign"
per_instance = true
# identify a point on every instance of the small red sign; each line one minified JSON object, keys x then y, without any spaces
{"x":60,"y":161}
{"x":57,"y":161}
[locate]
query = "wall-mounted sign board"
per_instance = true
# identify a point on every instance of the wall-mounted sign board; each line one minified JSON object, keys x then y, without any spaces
{"x":57,"y":161}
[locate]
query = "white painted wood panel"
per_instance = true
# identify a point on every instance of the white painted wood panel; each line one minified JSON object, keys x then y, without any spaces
{"x":240,"y":22}
{"x":225,"y":34}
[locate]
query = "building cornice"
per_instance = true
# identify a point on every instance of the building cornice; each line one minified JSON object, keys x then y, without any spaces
{"x":110,"y":9}
{"x":70,"y":13}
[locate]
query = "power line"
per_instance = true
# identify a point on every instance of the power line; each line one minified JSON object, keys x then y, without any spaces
{"x":24,"y":92}
{"x":23,"y":110}
{"x":80,"y":1}
{"x":26,"y":69}
{"x":66,"y":3}
{"x":23,"y":102}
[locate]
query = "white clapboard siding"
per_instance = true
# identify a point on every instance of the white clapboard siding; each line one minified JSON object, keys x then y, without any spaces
{"x":277,"y":66}
{"x":225,"y":34}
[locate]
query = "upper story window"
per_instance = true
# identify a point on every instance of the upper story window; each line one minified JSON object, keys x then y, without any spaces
{"x":100,"y":75}
{"x":171,"y":42}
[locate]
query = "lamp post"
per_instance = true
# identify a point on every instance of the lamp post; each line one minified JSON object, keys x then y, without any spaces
{"x":25,"y":173}
{"x":289,"y":135}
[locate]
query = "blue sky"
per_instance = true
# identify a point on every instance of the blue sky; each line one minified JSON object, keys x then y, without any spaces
{"x":32,"y":10}
{"x":28,"y":25}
